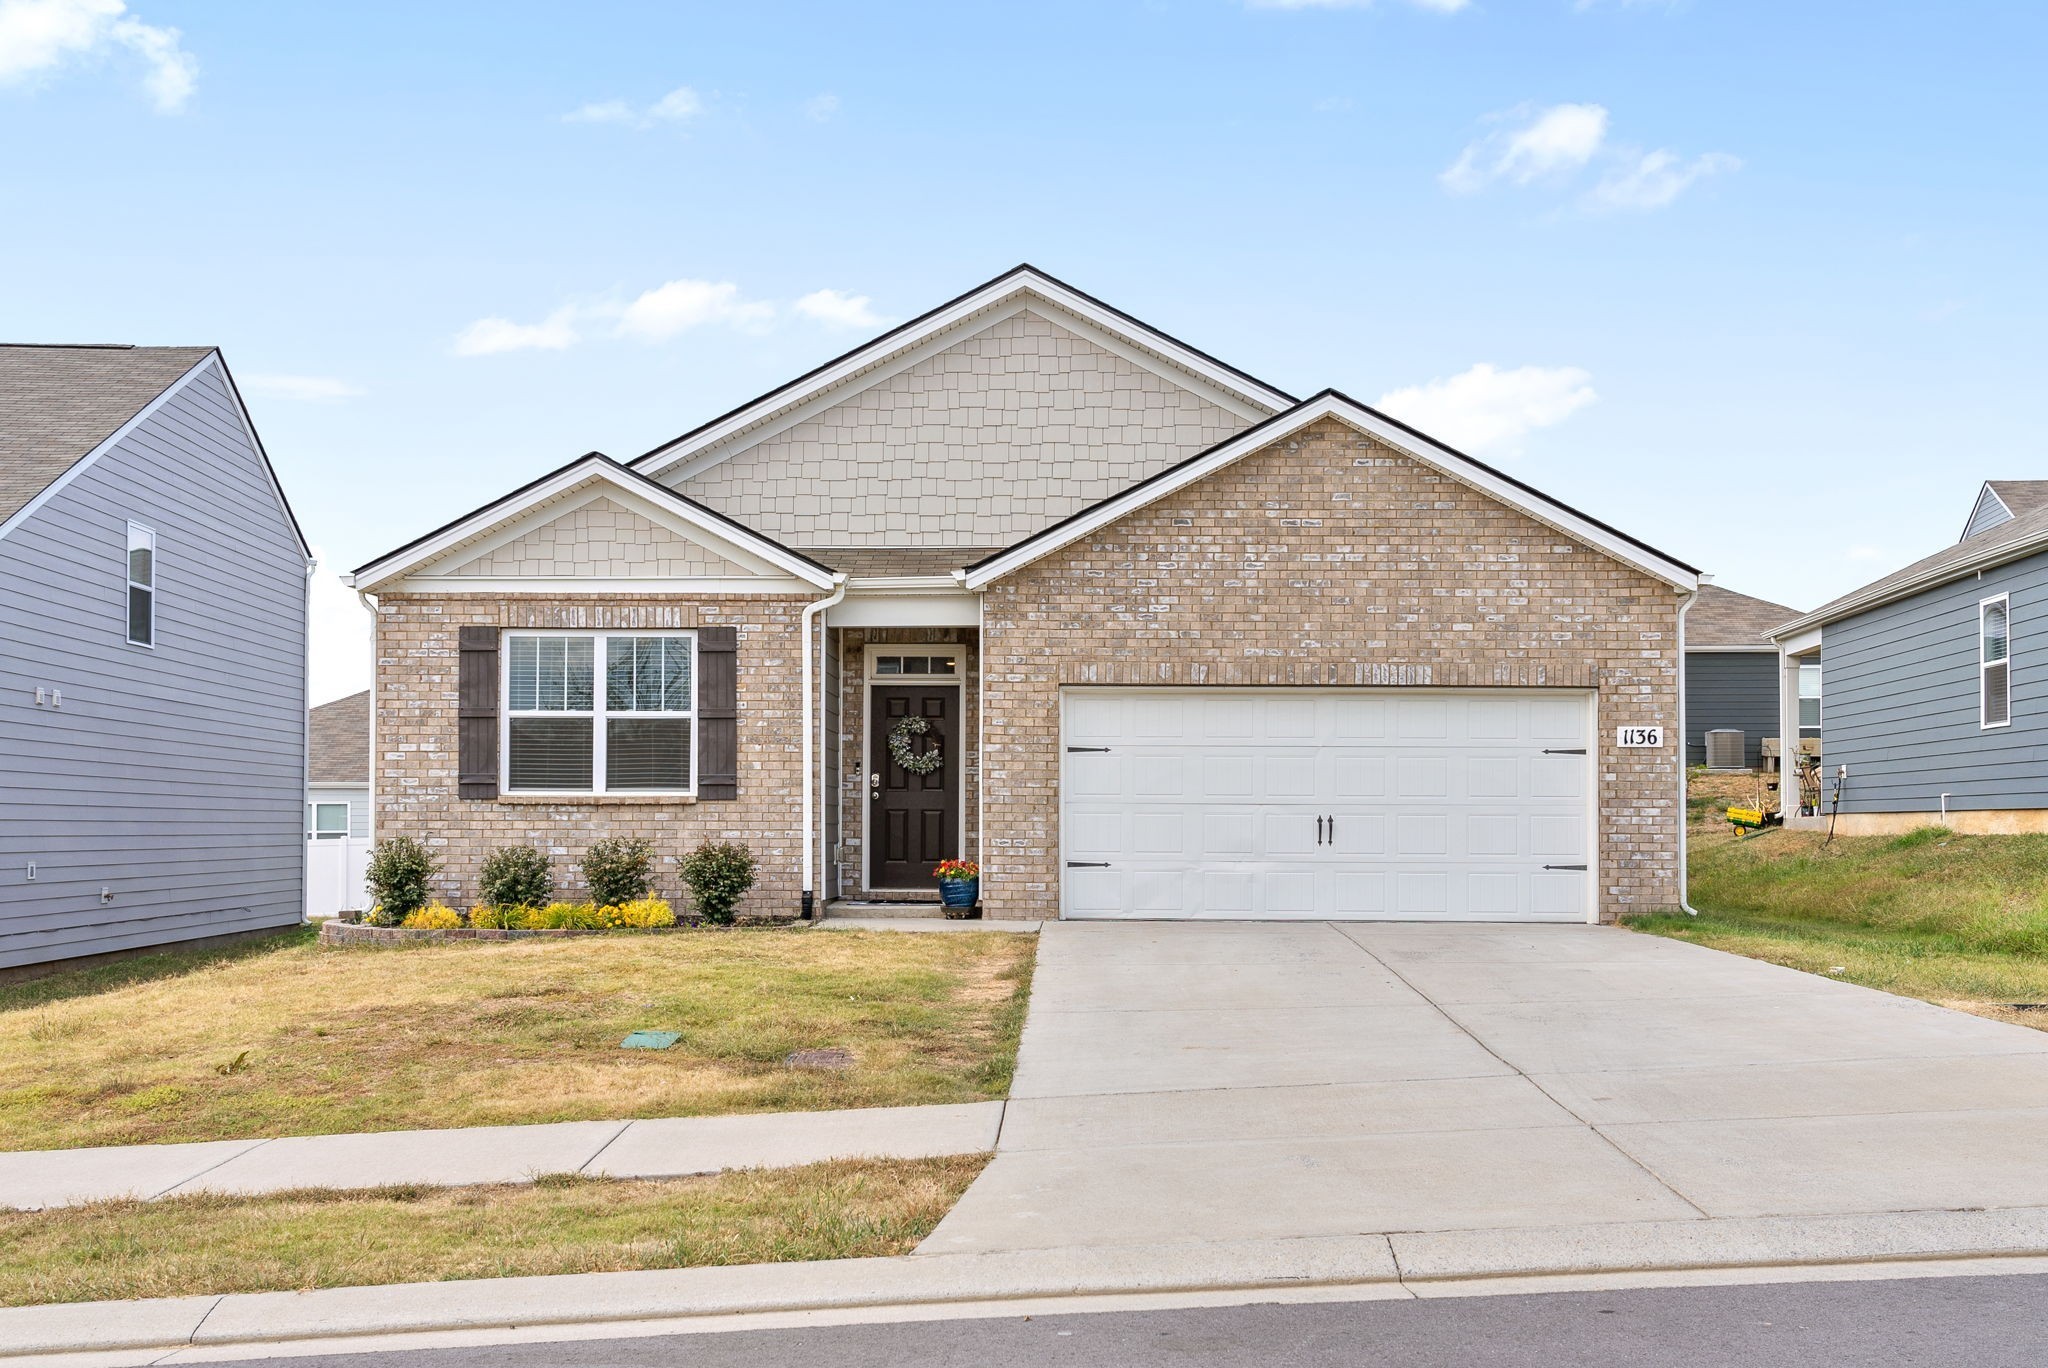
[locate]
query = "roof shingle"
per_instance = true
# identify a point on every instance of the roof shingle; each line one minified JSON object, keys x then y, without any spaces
{"x":58,"y":403}
{"x":1722,"y":617}
{"x":339,"y":742}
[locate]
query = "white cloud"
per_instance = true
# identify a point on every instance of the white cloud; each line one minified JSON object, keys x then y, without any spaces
{"x":40,"y":37}
{"x":1652,"y":180}
{"x":678,"y":106}
{"x":338,"y":658}
{"x":490,"y":336}
{"x":1543,"y":144}
{"x":822,"y":107}
{"x":1487,"y":411}
{"x":1440,"y":6}
{"x":679,"y":305}
{"x":840,"y":309}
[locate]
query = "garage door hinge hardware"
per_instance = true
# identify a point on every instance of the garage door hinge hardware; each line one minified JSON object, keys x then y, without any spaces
{"x":1092,"y":750}
{"x":1576,"y":750}
{"x":1564,"y":866}
{"x":1087,"y":864}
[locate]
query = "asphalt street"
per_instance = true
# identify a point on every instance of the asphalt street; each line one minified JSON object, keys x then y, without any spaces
{"x":1987,"y":1322}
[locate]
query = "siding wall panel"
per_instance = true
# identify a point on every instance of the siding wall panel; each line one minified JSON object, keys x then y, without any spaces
{"x":1730,"y":689}
{"x":173,"y":776}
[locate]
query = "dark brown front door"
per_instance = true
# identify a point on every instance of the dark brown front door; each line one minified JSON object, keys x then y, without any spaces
{"x":913,"y":819}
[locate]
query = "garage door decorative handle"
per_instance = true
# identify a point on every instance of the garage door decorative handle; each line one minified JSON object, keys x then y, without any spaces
{"x":1577,"y":867}
{"x":1576,"y":750}
{"x":1087,"y":864}
{"x":1087,"y":750}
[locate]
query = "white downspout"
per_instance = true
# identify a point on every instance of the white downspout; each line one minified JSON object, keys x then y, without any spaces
{"x":810,"y":616}
{"x":1684,"y":792}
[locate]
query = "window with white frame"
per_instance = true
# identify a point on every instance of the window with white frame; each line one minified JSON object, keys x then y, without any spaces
{"x":326,"y":821}
{"x":141,"y":585}
{"x":1994,"y":662}
{"x":566,"y":734}
{"x":1809,"y":700}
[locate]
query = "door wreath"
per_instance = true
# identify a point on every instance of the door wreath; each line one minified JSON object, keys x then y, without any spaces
{"x":916,"y":762}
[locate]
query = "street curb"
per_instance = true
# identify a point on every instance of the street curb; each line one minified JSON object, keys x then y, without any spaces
{"x":590,"y":1299}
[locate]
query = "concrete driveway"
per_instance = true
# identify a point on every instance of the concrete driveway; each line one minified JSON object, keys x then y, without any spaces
{"x":1194,"y":1082}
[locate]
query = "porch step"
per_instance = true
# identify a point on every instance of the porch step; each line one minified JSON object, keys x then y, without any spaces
{"x":840,"y":907}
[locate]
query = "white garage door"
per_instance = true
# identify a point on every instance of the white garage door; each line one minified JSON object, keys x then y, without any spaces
{"x":1344,"y":804}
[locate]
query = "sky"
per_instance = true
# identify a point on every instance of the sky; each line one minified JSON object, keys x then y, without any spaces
{"x":1760,"y":283}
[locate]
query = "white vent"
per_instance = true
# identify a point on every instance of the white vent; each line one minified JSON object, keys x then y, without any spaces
{"x":1724,"y":749}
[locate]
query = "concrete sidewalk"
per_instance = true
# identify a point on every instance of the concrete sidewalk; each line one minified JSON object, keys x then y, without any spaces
{"x":671,"y":1148}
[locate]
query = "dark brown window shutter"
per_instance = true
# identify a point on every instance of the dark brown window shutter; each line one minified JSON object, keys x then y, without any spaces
{"x":477,"y":714}
{"x":718,"y":714}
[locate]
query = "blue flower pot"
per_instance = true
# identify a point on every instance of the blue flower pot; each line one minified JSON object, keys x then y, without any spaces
{"x":959,"y":892}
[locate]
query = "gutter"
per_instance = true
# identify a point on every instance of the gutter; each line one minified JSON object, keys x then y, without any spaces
{"x":2019,"y":548}
{"x":1684,"y":794}
{"x":810,"y":615}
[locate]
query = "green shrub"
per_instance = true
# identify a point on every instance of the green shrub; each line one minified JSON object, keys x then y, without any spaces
{"x":517,"y":876}
{"x":719,"y":874}
{"x":618,"y":870}
{"x":400,"y":876}
{"x":561,"y":916}
{"x":491,"y":918}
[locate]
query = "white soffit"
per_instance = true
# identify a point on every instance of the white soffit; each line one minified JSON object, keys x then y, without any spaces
{"x":892,"y":353}
{"x":569,"y":488}
{"x":1330,"y":404}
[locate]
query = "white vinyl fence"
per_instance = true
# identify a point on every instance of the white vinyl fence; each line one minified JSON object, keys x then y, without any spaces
{"x":334,"y":875}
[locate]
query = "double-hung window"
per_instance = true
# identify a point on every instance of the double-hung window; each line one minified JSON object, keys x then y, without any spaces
{"x":1994,"y":662}
{"x":600,"y":712}
{"x":141,"y":585}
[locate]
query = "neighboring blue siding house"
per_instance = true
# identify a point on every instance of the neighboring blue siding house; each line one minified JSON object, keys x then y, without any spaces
{"x":152,"y":658}
{"x":1936,"y":679}
{"x":1731,"y":672}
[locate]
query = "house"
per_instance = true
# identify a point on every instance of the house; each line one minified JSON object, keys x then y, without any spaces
{"x":337,"y":805}
{"x":1931,"y":712}
{"x":1030,"y":581}
{"x":152,"y":657}
{"x":1731,"y":673}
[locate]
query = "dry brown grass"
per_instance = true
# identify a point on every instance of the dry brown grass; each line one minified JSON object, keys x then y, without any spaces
{"x":287,"y":1241}
{"x":296,"y":1038}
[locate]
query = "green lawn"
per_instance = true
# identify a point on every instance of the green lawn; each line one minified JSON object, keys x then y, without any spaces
{"x":287,"y":1037}
{"x":1961,"y":920}
{"x":286,"y":1241}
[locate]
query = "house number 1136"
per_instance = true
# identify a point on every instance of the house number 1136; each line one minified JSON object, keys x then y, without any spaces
{"x":1632,"y":737}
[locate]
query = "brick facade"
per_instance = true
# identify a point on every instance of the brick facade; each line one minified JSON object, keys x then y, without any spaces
{"x":1325,"y":559}
{"x":415,"y":744}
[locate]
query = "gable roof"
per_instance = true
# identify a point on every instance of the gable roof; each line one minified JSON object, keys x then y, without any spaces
{"x":2023,"y":536}
{"x":1020,"y":281}
{"x":2000,"y":501}
{"x":59,"y":403}
{"x":1723,"y":618}
{"x":592,"y":467}
{"x":1332,"y":403}
{"x":338,"y":741}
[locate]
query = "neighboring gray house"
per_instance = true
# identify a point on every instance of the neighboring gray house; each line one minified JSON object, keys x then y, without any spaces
{"x":1936,"y":699}
{"x":1731,"y":671}
{"x":152,"y":657}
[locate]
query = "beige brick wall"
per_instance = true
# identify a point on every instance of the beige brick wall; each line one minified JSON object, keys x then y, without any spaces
{"x":415,"y":746}
{"x":1327,"y":559}
{"x":978,"y":445}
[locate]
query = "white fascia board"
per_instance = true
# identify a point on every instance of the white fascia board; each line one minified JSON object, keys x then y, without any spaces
{"x":113,"y":439}
{"x":1357,"y":416}
{"x":1765,"y":648}
{"x":565,"y":480}
{"x":1026,"y":283}
{"x":594,"y":584}
{"x":1988,"y":559}
{"x":924,"y":608}
{"x":1800,"y":643}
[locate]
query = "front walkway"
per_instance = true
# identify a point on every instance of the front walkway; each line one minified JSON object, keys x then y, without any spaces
{"x":667,"y":1148}
{"x":1198,"y":1082}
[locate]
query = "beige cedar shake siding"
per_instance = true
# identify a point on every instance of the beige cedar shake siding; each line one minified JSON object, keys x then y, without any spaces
{"x":980,"y":444}
{"x":1327,"y":559}
{"x":415,"y":781}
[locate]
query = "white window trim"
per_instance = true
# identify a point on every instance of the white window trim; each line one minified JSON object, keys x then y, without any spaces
{"x":1984,"y":666}
{"x":129,"y":585}
{"x":948,"y":650}
{"x":598,"y":714}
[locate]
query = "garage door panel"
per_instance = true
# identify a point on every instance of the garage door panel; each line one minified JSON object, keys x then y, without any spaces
{"x":1314,"y":804}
